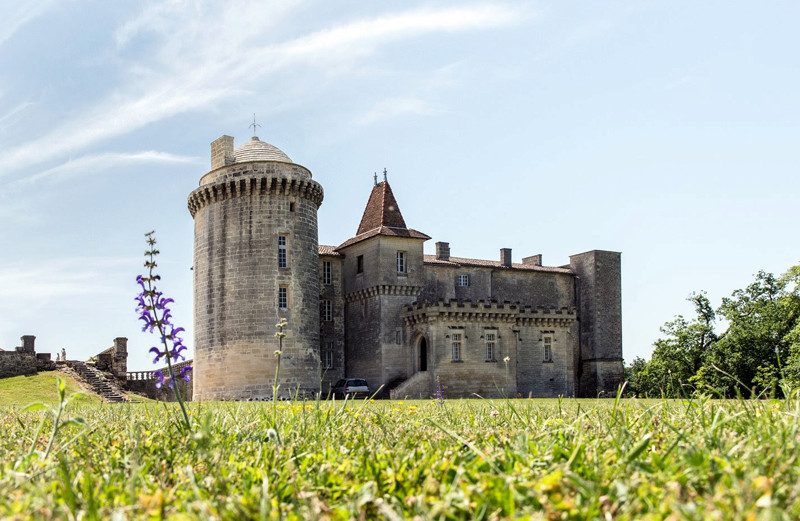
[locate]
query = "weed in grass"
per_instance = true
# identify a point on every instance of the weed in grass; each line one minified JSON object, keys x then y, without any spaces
{"x":154,"y":311}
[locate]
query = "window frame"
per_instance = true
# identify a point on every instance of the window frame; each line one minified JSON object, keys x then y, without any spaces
{"x":402,"y":268}
{"x":547,"y":347}
{"x":455,"y":347}
{"x":283,"y":297}
{"x":283,"y":255}
{"x":491,"y":346}
{"x":327,"y":269}
{"x":327,"y":310}
{"x":463,"y":281}
{"x":327,"y":356}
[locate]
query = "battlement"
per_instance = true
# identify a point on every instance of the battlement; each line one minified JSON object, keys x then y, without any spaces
{"x":492,"y":311}
{"x":254,"y":181}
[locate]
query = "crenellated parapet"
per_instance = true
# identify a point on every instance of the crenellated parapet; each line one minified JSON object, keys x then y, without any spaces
{"x":482,"y":311}
{"x":255,"y":179}
{"x":383,"y":289}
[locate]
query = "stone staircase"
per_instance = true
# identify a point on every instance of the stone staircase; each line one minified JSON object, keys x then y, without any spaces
{"x":418,"y":386}
{"x":98,"y":381}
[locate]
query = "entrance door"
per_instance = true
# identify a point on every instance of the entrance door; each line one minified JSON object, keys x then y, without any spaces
{"x":423,"y":354}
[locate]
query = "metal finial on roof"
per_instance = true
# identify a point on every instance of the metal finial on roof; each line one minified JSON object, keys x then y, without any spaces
{"x":384,"y":174}
{"x":375,"y":177}
{"x":254,"y":124}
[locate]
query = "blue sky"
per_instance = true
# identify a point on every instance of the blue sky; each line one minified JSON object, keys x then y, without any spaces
{"x":666,"y":130}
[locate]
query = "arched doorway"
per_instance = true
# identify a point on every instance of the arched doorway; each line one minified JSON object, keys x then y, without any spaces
{"x":423,"y":354}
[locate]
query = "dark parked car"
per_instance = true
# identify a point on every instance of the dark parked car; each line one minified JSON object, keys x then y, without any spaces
{"x":351,"y":386}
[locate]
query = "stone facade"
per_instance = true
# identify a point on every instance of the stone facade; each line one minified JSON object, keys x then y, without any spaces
{"x":403,"y":320}
{"x":255,"y":263}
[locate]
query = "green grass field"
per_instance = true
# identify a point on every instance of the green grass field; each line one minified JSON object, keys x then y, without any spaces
{"x":22,"y":390}
{"x":463,"y":459}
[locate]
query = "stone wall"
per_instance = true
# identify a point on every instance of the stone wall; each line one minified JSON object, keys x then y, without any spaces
{"x":24,"y":360}
{"x":239,"y":213}
{"x":517,"y":334}
{"x":115,"y":359}
{"x":600,"y":312}
{"x":13,"y":363}
{"x":144,"y":383}
{"x":331,"y":332}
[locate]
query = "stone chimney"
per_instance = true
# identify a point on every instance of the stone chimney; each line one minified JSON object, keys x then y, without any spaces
{"x":443,"y":251}
{"x":222,"y":152}
{"x":533,"y":260}
{"x":505,"y":257}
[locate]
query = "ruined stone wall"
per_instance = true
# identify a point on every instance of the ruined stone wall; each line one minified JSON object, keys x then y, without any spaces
{"x":24,"y":360}
{"x":13,"y":363}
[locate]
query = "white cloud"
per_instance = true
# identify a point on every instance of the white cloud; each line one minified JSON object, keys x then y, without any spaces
{"x":9,"y":119}
{"x":100,"y":162}
{"x":29,"y":285}
{"x":389,"y":108}
{"x":203,"y":58}
{"x":16,"y":14}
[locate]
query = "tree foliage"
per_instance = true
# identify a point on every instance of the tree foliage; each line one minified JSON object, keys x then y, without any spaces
{"x":757,"y":355}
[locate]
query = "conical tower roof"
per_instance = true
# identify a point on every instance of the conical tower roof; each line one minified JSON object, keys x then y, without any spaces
{"x":381,"y":210}
{"x":382,"y":217}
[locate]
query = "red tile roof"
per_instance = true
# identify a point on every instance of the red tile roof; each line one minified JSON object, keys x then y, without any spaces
{"x":460,"y":261}
{"x":384,"y":230}
{"x":382,"y":217}
{"x":324,"y":249}
{"x":381,"y":210}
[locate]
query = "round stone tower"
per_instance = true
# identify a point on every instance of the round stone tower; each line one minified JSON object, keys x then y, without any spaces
{"x":256,"y":261}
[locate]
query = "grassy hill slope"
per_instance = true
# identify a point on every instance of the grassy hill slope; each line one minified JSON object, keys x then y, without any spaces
{"x":19,"y":391}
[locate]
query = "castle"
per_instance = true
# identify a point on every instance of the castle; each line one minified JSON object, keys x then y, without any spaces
{"x":376,"y":307}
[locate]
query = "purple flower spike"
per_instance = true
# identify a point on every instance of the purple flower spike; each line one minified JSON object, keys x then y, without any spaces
{"x":158,"y":354}
{"x":159,"y":379}
{"x":184,"y":371}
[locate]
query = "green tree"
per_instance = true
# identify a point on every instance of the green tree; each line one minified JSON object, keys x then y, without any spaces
{"x":762,"y":319}
{"x":680,"y":354}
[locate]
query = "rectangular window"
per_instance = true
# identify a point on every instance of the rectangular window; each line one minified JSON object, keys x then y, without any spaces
{"x":326,"y":272}
{"x":327,"y":356}
{"x":360,"y":264}
{"x":327,"y":310}
{"x":283,"y":297}
{"x":548,"y":348}
{"x":398,"y":336}
{"x":456,"y":345}
{"x":490,"y":347}
{"x":401,"y":262}
{"x":463,"y":280}
{"x":282,"y":251}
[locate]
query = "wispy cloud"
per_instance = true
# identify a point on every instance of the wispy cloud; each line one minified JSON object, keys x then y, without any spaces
{"x":16,"y":14}
{"x":194,"y":71}
{"x":101,"y":162}
{"x":26,"y":285}
{"x":390,"y":108}
{"x":9,"y":117}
